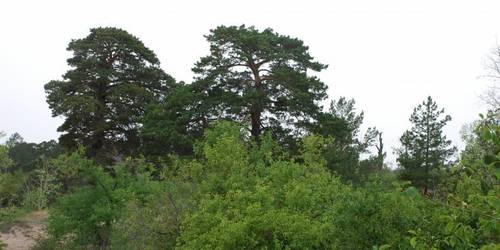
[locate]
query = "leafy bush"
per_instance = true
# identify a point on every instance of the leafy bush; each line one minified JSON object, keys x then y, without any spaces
{"x":85,"y":218}
{"x":9,"y":215}
{"x":44,"y":186}
{"x":154,"y":222}
{"x":237,"y":195}
{"x":243,"y":203}
{"x":5,"y":161}
{"x":11,"y":188}
{"x":472,"y":207}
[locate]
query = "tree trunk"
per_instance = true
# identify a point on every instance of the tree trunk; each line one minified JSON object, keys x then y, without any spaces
{"x":256,"y":109}
{"x":98,"y":140}
{"x":255,"y":115}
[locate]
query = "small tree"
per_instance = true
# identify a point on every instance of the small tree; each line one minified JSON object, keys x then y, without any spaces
{"x":491,"y":97}
{"x":44,"y":185}
{"x":5,"y":161}
{"x":14,"y":140}
{"x":425,"y":150}
{"x":381,"y":154}
{"x":342,"y":122}
{"x":374,"y":162}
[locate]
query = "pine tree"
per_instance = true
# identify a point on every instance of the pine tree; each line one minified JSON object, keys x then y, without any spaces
{"x":425,"y":150}
{"x":260,"y":78}
{"x":103,"y":97}
{"x":342,"y":123}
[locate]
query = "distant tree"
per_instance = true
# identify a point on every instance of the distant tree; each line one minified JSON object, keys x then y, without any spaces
{"x":425,"y":150}
{"x":49,"y":149}
{"x":21,"y":154}
{"x":491,"y":96}
{"x":342,"y":123}
{"x":25,"y":155}
{"x":259,"y":78}
{"x":5,"y":161}
{"x":14,"y":139}
{"x":104,"y":95}
{"x":381,"y":154}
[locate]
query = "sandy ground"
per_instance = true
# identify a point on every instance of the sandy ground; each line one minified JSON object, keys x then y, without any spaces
{"x":23,"y":233}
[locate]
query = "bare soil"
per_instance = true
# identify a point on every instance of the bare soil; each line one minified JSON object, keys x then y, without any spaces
{"x":24,"y":232}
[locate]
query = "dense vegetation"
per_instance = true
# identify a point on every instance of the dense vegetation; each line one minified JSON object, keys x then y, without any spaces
{"x":244,"y":157}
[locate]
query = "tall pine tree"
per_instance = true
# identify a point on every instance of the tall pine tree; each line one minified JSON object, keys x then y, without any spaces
{"x":259,"y":77}
{"x":425,"y":150}
{"x":104,"y":95}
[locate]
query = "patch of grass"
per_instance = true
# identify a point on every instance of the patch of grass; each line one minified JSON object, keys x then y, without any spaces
{"x":9,"y":215}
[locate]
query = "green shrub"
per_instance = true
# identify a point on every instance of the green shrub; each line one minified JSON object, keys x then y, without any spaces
{"x":237,"y":195}
{"x":245,"y":204}
{"x":154,"y":222}
{"x":11,"y":188}
{"x":84,"y":219}
{"x":45,"y":186}
{"x":9,"y":214}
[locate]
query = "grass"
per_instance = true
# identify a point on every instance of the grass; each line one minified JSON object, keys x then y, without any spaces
{"x":9,"y":215}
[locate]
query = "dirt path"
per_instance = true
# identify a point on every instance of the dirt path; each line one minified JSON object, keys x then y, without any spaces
{"x":22,"y":234}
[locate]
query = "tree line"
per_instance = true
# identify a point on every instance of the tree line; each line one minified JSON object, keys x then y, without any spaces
{"x":244,"y":156}
{"x":118,"y":102}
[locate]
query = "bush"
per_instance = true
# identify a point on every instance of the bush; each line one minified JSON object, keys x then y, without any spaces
{"x":44,"y":186}
{"x":260,"y":204}
{"x":237,"y":195}
{"x":85,"y":218}
{"x":154,"y":222}
{"x":11,"y":188}
{"x":9,"y":214}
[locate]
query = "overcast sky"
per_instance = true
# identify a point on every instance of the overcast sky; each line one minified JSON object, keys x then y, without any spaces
{"x":387,"y":55}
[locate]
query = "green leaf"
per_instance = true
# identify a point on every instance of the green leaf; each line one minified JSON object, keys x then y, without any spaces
{"x":383,"y":247}
{"x":413,"y":242}
{"x":449,"y":227}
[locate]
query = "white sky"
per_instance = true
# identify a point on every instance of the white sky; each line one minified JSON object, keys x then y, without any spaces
{"x":387,"y":55}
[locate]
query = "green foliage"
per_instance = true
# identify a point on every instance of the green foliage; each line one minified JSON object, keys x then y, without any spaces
{"x":11,"y":188}
{"x":256,"y":205}
{"x":425,"y":150}
{"x":376,"y":217}
{"x":44,"y":188}
{"x":342,"y":124}
{"x":14,"y":139}
{"x":259,"y":78}
{"x":169,"y":126}
{"x":153,"y":223}
{"x":252,"y":180}
{"x":85,"y":217}
{"x":25,"y":155}
{"x":69,"y":168}
{"x":278,"y":203}
{"x":103,"y":96}
{"x":471,"y":221}
{"x":237,"y":194}
{"x":9,"y":214}
{"x":5,"y":161}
